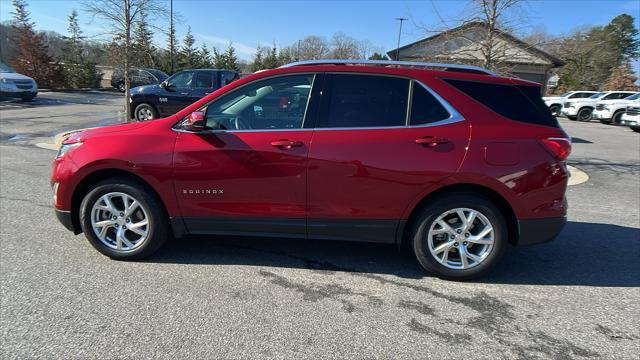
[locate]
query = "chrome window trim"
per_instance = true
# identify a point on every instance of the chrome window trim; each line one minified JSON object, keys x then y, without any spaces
{"x":389,"y":63}
{"x":454,"y":116}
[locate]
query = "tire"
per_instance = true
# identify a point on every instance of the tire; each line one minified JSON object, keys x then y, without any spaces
{"x":615,"y":119}
{"x":555,"y":110}
{"x":572,"y":118}
{"x":28,"y":98}
{"x":149,"y":207}
{"x":426,"y":221}
{"x":606,"y":121}
{"x":584,"y":114}
{"x":635,"y":128}
{"x":145,"y":112}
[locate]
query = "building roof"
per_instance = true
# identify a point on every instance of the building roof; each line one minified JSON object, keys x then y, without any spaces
{"x":478,"y":24}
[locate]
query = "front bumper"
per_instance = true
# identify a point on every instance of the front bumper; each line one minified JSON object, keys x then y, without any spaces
{"x":601,"y":114}
{"x":67,"y":221}
{"x":571,"y":111}
{"x":630,"y":120}
{"x":538,"y":231}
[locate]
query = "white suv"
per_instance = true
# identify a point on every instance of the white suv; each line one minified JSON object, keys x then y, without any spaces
{"x":582,"y":109}
{"x":631,"y":116}
{"x":555,"y":102}
{"x":610,"y":111}
{"x":14,"y":85}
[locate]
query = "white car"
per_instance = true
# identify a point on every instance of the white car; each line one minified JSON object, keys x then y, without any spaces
{"x":555,"y":102}
{"x":631,"y":116}
{"x":14,"y":85}
{"x":582,"y":109}
{"x":610,"y":111}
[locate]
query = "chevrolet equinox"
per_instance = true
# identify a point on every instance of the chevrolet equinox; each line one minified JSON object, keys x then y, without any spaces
{"x":451,"y":161}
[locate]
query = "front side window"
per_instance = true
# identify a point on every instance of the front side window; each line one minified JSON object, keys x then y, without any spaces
{"x":276,"y":103}
{"x":596,"y":95}
{"x":352,"y":101}
{"x":181,"y":79}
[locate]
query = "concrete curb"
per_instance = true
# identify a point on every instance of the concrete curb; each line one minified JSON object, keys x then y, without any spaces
{"x":577,"y":176}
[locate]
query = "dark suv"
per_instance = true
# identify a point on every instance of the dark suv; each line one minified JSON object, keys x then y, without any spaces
{"x":451,"y":161}
{"x":181,"y":89}
{"x":137,"y":77}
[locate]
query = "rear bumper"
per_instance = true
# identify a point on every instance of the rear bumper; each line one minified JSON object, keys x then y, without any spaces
{"x":65,"y":219}
{"x":538,"y":231}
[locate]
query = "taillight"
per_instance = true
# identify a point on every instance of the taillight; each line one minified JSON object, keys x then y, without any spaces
{"x":560,"y":148}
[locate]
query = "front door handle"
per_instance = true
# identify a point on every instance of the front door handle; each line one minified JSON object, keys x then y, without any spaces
{"x":184,"y":93}
{"x":286,"y":144}
{"x":431,"y":141}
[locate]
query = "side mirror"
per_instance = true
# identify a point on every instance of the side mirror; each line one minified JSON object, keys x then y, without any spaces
{"x":195,"y":122}
{"x":163,"y":84}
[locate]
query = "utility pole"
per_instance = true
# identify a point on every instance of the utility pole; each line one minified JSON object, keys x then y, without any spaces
{"x":171,"y":34}
{"x":399,"y":33}
{"x":298,"y":53}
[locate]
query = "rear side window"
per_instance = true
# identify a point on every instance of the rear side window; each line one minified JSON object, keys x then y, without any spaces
{"x":351,"y":101}
{"x":204,"y":79}
{"x":425,"y":108}
{"x":519,"y":103}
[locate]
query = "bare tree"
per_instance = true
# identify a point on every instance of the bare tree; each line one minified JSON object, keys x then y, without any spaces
{"x":313,"y":48}
{"x":121,"y":16}
{"x":344,"y":47}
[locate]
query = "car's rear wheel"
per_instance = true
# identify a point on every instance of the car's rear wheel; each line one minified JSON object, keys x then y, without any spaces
{"x":124,"y":220}
{"x":459,"y":236}
{"x":145,"y":112}
{"x":555,"y":110}
{"x":585,"y":114}
{"x":120,"y":86}
{"x":635,"y":128}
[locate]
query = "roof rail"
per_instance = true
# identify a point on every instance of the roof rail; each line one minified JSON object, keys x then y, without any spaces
{"x":446,"y":67}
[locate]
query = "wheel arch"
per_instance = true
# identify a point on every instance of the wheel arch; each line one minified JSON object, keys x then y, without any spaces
{"x":97,"y":176}
{"x":505,"y":208}
{"x":136,"y":102}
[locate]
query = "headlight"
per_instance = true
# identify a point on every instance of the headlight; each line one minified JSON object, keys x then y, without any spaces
{"x":66,"y":147}
{"x":5,"y":80}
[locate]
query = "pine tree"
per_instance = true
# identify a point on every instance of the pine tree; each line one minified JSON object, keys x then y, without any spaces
{"x":258,"y":58}
{"x":204,"y":57}
{"x":32,"y":58}
{"x":144,"y":53}
{"x":621,"y":79}
{"x":188,"y":52}
{"x":271,"y":59}
{"x":377,"y":56}
{"x":75,"y":38}
{"x":219,"y":59}
{"x":78,"y":72}
{"x":168,"y":63}
{"x":230,"y":59}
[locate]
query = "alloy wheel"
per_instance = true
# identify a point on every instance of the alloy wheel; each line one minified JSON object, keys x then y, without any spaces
{"x":144,"y":114}
{"x":461,"y":238}
{"x":120,"y":221}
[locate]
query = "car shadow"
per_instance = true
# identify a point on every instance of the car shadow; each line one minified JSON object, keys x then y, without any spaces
{"x":584,"y":254}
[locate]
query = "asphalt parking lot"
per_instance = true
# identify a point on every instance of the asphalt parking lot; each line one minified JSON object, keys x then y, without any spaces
{"x":577,"y":297}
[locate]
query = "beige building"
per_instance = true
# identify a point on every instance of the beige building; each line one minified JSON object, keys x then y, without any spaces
{"x":463,"y":45}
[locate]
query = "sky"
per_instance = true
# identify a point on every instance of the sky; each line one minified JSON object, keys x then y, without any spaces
{"x":251,"y":23}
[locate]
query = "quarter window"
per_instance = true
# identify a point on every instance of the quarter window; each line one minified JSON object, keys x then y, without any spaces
{"x":204,"y":79}
{"x":277,"y":103}
{"x":351,"y":101}
{"x":425,"y":108}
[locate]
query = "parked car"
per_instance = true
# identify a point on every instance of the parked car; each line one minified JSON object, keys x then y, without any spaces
{"x":183,"y":88}
{"x":393,"y":160}
{"x":631,"y":116}
{"x":610,"y":111}
{"x":17,"y":86}
{"x":137,"y":77}
{"x":555,"y":103}
{"x":582,"y":109}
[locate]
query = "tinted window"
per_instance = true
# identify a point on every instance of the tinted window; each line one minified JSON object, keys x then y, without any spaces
{"x":520,"y":103}
{"x":229,"y":77}
{"x":204,"y":79}
{"x":633,"y":97}
{"x":181,"y":79}
{"x":277,"y":103}
{"x":363,"y":101}
{"x":425,"y":108}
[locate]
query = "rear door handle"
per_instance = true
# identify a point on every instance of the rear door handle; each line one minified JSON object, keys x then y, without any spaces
{"x":431,"y":141}
{"x":286,"y":144}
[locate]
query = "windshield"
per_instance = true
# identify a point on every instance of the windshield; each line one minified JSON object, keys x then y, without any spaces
{"x":597,"y":95}
{"x":158,"y":74}
{"x":5,"y":68}
{"x":565,"y":94}
{"x":635,"y":96}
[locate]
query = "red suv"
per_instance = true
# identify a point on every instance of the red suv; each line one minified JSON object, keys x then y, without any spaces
{"x":450,"y":160}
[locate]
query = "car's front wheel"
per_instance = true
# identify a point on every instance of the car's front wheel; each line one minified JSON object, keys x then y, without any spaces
{"x":145,"y":112}
{"x":460,"y":236}
{"x":123,"y":219}
{"x":585,"y":114}
{"x":555,"y":110}
{"x":635,"y":128}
